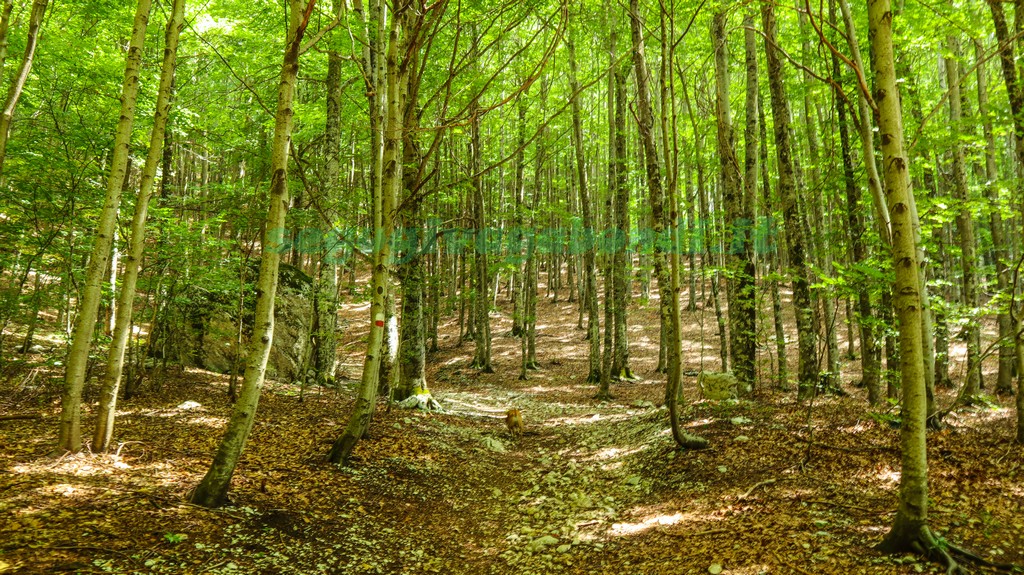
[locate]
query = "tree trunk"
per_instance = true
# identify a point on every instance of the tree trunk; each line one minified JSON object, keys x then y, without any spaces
{"x":589,"y":264}
{"x":620,"y":313}
{"x":745,"y":354}
{"x":869,"y":352}
{"x":35,"y":20}
{"x":126,"y":295}
{"x":668,"y":290}
{"x":740,"y":341}
{"x":910,"y":529}
{"x":5,"y":26}
{"x":964,"y":226}
{"x":808,"y":370}
{"x":70,"y":438}
{"x":213,"y":489}
{"x":385,"y":196}
{"x":1004,"y":376}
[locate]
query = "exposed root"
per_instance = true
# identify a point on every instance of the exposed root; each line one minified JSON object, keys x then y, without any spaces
{"x":919,"y":539}
{"x":971,"y":556}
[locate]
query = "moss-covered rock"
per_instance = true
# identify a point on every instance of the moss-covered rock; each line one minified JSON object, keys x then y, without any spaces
{"x":201,"y":325}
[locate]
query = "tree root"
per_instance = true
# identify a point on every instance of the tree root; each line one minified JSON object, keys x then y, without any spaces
{"x":920,"y":539}
{"x":971,"y":556}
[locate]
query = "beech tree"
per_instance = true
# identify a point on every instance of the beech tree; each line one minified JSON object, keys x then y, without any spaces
{"x":213,"y":489}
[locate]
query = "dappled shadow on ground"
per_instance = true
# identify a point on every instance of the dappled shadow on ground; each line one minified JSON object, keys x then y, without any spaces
{"x":592,"y":487}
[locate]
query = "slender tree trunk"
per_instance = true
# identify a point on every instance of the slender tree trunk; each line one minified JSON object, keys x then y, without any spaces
{"x":70,"y":438}
{"x":481,"y":275}
{"x":325,"y":297}
{"x":604,"y":391}
{"x":808,"y":372}
{"x":668,"y":291}
{"x":589,"y":264}
{"x":869,"y":352}
{"x":126,"y":295}
{"x":863,"y":121}
{"x":5,"y":26}
{"x":745,"y":354}
{"x":620,"y":357}
{"x":999,"y":252}
{"x":35,"y":20}
{"x":910,"y":527}
{"x":385,"y":200}
{"x":519,"y":285}
{"x":964,"y":225}
{"x":731,"y":184}
{"x":213,"y":489}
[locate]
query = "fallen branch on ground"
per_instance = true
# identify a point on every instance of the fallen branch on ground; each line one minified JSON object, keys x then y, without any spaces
{"x":20,"y":416}
{"x":762,"y":484}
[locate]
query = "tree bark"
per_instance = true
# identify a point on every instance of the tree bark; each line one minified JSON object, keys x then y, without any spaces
{"x":869,"y":351}
{"x":668,"y":290}
{"x":589,"y":264}
{"x":70,"y":438}
{"x":741,"y":342}
{"x":806,"y":337}
{"x":620,"y":356}
{"x":212,"y":491}
{"x":385,"y":195}
{"x":910,"y":527}
{"x":964,"y":226}
{"x":136,"y":243}
{"x":35,"y":20}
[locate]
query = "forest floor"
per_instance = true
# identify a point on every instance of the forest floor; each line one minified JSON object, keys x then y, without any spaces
{"x":592,"y":487}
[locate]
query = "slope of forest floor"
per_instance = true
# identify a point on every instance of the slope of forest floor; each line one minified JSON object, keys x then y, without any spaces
{"x":592,"y":487}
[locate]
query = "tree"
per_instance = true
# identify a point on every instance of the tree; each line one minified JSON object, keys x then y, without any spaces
{"x":589,"y":263}
{"x":668,"y":290}
{"x":35,"y":20}
{"x":738,"y":212}
{"x":910,"y":531}
{"x":126,"y":295}
{"x":74,"y":374}
{"x":213,"y":489}
{"x":808,"y":372}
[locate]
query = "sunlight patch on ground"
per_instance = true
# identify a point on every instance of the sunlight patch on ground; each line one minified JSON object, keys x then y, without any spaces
{"x":653,"y":519}
{"x":356,"y":307}
{"x":208,"y":421}
{"x":78,"y":465}
{"x":615,"y":453}
{"x":888,"y":476}
{"x":585,"y":419}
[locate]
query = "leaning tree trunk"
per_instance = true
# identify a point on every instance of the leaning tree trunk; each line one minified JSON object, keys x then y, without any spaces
{"x":35,"y":20}
{"x":126,"y":295}
{"x":808,"y":368}
{"x":910,"y":530}
{"x":70,"y":437}
{"x":667,"y":288}
{"x":212,"y":491}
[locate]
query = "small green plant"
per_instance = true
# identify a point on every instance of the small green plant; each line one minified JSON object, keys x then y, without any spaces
{"x":888,"y":417}
{"x":175,"y":538}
